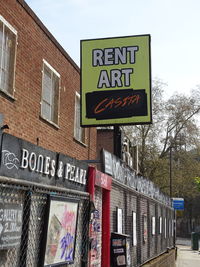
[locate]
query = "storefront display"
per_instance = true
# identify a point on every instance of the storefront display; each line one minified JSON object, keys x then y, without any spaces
{"x":61,"y":232}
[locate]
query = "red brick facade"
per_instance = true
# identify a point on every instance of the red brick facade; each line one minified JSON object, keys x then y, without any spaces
{"x":22,"y":112}
{"x":105,"y":140}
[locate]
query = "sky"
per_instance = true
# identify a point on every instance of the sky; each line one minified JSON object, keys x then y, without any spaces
{"x":174,"y":26}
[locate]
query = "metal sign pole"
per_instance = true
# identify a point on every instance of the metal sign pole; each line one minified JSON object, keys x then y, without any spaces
{"x":117,"y":145}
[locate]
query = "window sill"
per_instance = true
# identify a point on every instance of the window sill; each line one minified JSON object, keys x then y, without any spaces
{"x":51,"y":123}
{"x":79,"y":142}
{"x":7,"y":95}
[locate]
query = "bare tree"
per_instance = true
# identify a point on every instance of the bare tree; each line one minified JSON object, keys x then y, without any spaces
{"x":174,"y":126}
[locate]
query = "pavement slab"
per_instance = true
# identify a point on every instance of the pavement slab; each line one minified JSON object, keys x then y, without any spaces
{"x":186,"y":257}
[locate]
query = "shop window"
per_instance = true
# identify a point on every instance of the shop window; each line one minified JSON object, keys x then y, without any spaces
{"x":8,"y":42}
{"x":79,"y":132}
{"x":50,"y":94}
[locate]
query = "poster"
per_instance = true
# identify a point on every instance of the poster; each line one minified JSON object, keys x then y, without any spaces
{"x":119,"y":221}
{"x":61,"y":231}
{"x":95,"y":236}
{"x":134,"y":229}
{"x":153,"y":224}
{"x":145,"y":233}
{"x":160,"y":223}
{"x":10,"y":225}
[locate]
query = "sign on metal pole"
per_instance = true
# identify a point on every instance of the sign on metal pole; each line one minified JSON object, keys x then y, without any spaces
{"x":116,"y":81}
{"x":178,"y":203}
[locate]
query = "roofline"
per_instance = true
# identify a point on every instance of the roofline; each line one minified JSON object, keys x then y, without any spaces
{"x":47,"y":32}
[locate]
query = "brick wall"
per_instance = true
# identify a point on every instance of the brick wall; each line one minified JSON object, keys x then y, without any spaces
{"x":105,"y":140}
{"x":22,"y":113}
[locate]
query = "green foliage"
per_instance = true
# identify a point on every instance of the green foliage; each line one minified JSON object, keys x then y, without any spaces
{"x":197,"y":182}
{"x":174,"y":135}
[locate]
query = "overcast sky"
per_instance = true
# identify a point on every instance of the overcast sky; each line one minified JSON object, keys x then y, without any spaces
{"x":173,"y":26}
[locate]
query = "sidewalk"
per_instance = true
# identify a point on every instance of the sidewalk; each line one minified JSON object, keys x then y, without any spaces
{"x":186,"y":257}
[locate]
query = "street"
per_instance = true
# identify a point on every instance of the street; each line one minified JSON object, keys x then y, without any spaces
{"x":186,"y":257}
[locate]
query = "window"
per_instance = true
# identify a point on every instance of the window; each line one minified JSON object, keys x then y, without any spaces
{"x":79,"y":132}
{"x":8,"y":41}
{"x":50,"y":93}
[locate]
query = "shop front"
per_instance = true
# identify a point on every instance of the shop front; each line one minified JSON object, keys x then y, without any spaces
{"x":44,"y":206}
{"x":99,"y":187}
{"x":138,"y":210}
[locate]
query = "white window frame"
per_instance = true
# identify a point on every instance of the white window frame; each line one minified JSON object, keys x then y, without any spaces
{"x":50,"y":120}
{"x":77,"y":136}
{"x":12,"y":29}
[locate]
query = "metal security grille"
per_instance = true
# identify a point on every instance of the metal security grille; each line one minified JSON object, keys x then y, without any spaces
{"x":10,"y":257}
{"x":34,"y":202}
{"x":153,"y":224}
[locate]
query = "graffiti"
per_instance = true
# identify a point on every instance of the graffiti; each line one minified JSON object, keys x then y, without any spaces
{"x":95,"y":236}
{"x":67,"y":242}
{"x":67,"y":246}
{"x":94,"y":244}
{"x":121,"y":172}
{"x":68,"y":218}
{"x":113,"y":103}
{"x":96,"y":214}
{"x":10,"y":160}
{"x":95,"y":221}
{"x":96,"y":226}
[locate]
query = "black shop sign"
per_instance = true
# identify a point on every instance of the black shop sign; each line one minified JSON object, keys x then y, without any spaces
{"x":23,"y":160}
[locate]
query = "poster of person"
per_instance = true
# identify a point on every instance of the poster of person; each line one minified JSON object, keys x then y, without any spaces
{"x":61,"y":231}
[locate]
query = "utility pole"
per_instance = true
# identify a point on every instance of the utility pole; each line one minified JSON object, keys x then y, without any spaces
{"x":170,"y":172}
{"x":117,"y":142}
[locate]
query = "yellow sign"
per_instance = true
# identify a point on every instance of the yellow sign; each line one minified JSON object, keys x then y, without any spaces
{"x":116,"y":81}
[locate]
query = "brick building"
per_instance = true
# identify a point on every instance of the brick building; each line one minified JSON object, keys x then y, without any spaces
{"x":40,"y":85}
{"x":43,"y":179}
{"x":43,"y":185}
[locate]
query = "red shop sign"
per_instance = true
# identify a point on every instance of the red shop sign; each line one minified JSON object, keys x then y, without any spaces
{"x":103,"y":180}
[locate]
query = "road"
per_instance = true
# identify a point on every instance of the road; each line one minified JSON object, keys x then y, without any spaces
{"x":186,"y":257}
